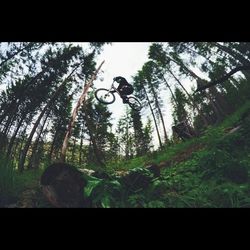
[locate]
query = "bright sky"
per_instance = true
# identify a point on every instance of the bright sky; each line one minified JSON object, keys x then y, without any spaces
{"x":121,"y":59}
{"x":125,"y":59}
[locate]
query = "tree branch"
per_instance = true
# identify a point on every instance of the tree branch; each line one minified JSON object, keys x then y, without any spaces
{"x":222,"y":79}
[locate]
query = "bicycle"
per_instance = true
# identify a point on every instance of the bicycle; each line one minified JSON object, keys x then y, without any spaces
{"x":106,"y":96}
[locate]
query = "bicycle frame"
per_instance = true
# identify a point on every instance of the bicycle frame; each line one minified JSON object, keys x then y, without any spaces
{"x":113,"y":89}
{"x":131,"y":100}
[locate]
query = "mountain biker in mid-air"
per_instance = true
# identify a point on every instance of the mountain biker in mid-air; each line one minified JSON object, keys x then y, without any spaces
{"x":107,"y":96}
{"x":124,"y":88}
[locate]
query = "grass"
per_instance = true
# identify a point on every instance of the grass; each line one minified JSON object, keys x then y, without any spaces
{"x":216,"y":175}
{"x":6,"y":180}
{"x":27,"y":179}
{"x":13,"y":183}
{"x":210,"y":171}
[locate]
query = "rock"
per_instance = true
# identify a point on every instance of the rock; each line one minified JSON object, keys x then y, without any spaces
{"x":183,"y":130}
{"x":155,"y":169}
{"x":137,"y":179}
{"x":63,"y":186}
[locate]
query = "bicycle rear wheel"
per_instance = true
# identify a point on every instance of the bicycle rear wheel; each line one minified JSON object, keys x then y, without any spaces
{"x":134,"y":103}
{"x":104,"y":96}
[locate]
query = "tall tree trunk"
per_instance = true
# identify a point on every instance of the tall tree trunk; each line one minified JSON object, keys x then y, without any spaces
{"x":215,"y":109}
{"x":75,"y":111}
{"x":35,"y":145}
{"x":8,"y":110}
{"x":127,"y":146}
{"x":220,"y":101}
{"x":160,"y":113}
{"x":23,"y":136}
{"x":223,"y":78}
{"x":8,"y":123}
{"x":14,"y":136}
{"x":236,"y":55}
{"x":198,"y":79}
{"x":186,"y":69}
{"x":73,"y":150}
{"x":195,"y":106}
{"x":28,"y":143}
{"x":172,"y":94}
{"x":14,"y":154}
{"x":152,"y":112}
{"x":80,"y":150}
{"x":97,"y":152}
{"x":16,"y":102}
{"x":47,"y":106}
{"x":52,"y":146}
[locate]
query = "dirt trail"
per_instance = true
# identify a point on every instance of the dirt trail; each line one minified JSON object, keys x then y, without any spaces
{"x":181,"y":156}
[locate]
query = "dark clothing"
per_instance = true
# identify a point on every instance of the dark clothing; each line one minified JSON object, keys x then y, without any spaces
{"x":121,"y":80}
{"x":124,"y":87}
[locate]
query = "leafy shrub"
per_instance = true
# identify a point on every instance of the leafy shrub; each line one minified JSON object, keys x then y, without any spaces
{"x":227,"y":195}
{"x":213,"y":162}
{"x":118,"y":191}
{"x":231,"y":143}
{"x":245,"y":131}
{"x":155,"y":204}
{"x":136,"y":201}
{"x":236,"y":172}
{"x":220,"y":163}
{"x":104,"y":193}
{"x":138,"y":178}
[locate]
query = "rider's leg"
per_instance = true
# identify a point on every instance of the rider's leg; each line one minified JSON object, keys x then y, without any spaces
{"x":124,"y":98}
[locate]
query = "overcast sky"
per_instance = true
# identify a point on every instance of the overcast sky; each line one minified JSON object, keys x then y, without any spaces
{"x":125,"y":59}
{"x":121,"y":59}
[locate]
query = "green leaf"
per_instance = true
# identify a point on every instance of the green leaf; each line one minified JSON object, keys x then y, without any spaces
{"x":90,"y":186}
{"x":105,"y":202}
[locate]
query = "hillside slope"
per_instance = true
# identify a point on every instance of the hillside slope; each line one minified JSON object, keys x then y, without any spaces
{"x":208,"y":171}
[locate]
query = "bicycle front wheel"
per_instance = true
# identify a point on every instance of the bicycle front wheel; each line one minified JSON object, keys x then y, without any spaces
{"x":104,"y":96}
{"x":134,"y":103}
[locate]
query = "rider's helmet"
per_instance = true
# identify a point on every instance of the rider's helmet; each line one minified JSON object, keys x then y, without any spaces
{"x":120,"y":79}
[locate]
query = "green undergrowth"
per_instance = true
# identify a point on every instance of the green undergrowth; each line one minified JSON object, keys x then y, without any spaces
{"x":216,"y":174}
{"x":208,"y":171}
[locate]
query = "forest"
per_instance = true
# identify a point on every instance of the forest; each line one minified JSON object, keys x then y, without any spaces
{"x":60,"y":148}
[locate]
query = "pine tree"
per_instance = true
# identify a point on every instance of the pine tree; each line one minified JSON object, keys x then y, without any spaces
{"x":139,"y":84}
{"x":142,"y":135}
